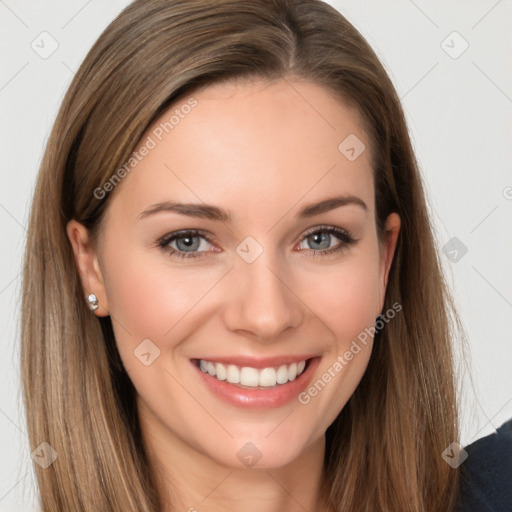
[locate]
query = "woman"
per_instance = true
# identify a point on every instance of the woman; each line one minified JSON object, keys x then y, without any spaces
{"x":232,"y":298}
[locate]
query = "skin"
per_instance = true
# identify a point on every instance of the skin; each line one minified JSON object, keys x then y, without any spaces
{"x":262,"y":151}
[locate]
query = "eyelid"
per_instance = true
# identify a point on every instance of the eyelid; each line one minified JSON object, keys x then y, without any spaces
{"x":169,"y":237}
{"x":325,"y":227}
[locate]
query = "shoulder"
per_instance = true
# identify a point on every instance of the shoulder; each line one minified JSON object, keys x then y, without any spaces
{"x":486,"y":474}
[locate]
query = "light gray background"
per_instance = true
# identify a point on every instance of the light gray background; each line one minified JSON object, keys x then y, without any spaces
{"x":459,"y":114}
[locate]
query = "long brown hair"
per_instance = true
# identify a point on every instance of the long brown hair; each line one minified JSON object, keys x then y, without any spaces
{"x":383,"y":452}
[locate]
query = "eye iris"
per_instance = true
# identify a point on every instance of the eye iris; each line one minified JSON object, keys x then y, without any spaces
{"x":188,"y":243}
{"x":322,"y":237}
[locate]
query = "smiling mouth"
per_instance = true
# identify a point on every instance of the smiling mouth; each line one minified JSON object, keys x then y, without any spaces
{"x":253,"y":378}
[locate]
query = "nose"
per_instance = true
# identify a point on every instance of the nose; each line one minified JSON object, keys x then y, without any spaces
{"x":263,"y":303}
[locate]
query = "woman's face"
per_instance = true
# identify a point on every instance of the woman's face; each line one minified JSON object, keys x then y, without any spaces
{"x":243,"y":247}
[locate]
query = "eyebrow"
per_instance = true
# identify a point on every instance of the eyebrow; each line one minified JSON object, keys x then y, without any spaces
{"x":215,"y":213}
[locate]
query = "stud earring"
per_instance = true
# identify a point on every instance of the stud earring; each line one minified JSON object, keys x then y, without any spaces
{"x":93,"y":302}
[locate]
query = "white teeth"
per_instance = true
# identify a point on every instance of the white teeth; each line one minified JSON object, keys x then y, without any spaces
{"x":282,"y":374}
{"x":253,"y":377}
{"x":233,"y":374}
{"x":292,"y":371}
{"x":221,"y":371}
{"x":268,"y":377}
{"x":249,"y":377}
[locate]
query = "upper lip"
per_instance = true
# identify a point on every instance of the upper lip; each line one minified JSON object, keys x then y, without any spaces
{"x":258,"y":362}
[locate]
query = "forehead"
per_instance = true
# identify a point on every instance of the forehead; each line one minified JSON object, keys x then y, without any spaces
{"x":254,"y":144}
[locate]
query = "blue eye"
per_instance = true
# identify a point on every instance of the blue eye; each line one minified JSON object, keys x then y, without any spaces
{"x":194,"y":243}
{"x":319,"y":240}
{"x":187,"y":243}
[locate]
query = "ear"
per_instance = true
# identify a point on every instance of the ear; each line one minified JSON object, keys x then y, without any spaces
{"x":87,"y":265}
{"x":387,"y":252}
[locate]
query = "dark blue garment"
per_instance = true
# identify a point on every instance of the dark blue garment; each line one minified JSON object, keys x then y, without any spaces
{"x":486,"y":475}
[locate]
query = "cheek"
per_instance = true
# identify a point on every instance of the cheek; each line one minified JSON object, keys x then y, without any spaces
{"x":346,"y":300}
{"x":345,"y":296}
{"x":151,"y":300}
{"x":148,"y":298}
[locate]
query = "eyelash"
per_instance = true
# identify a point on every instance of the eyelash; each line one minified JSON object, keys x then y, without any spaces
{"x":345,"y":238}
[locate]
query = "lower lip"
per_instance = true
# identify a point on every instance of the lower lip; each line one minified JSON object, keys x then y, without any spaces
{"x":269,"y":398}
